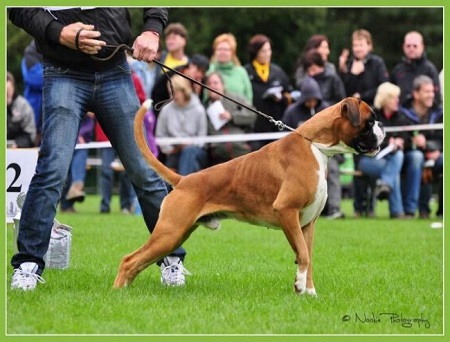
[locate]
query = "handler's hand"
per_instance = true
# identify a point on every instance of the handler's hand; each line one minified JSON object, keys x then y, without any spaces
{"x":87,"y":41}
{"x":146,"y":46}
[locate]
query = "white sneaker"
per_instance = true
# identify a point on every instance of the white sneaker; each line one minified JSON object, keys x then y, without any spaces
{"x":173,"y":271}
{"x":25,"y":277}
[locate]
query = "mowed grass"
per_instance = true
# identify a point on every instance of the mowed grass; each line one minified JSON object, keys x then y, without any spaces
{"x":373,"y":276}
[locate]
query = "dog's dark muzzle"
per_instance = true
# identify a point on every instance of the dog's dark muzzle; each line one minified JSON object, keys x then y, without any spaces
{"x":368,"y":141}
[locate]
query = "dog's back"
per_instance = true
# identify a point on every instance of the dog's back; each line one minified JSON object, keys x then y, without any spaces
{"x":246,"y":186}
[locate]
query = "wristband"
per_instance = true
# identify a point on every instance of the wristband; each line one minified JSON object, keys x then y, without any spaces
{"x":155,"y":33}
{"x":77,"y":38}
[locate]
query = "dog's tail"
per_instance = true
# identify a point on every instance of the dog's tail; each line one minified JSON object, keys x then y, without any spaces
{"x":170,"y":176}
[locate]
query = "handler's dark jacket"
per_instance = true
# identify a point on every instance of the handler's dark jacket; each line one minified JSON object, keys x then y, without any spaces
{"x":114,"y":24}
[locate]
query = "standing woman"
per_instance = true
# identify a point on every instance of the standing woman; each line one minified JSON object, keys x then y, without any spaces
{"x":225,"y":61}
{"x":364,"y":71}
{"x":270,"y":84}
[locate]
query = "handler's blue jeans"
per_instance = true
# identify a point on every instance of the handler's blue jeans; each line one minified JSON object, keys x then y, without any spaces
{"x":67,"y":96}
{"x":388,"y":170}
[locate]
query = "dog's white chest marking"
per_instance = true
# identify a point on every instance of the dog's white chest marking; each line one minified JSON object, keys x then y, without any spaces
{"x":315,"y":208}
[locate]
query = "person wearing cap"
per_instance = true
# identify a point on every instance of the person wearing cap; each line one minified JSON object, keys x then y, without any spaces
{"x":173,"y":56}
{"x":176,"y":37}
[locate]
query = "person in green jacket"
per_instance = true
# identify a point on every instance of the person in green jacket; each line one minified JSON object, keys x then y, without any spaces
{"x":225,"y":61}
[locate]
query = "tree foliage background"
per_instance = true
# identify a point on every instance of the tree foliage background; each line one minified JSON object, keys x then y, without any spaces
{"x":289,"y":28}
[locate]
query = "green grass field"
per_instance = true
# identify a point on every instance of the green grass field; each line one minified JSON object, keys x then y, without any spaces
{"x":373,"y":277}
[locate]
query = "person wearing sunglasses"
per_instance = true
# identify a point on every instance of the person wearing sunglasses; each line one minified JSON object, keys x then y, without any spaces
{"x":414,"y":63}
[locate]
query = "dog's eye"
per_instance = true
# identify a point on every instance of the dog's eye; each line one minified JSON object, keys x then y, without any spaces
{"x":370,"y":123}
{"x":368,"y":127}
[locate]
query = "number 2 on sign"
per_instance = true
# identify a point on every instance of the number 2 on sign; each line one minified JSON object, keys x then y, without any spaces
{"x":13,"y":187}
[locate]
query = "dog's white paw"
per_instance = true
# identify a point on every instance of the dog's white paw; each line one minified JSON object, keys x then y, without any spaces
{"x":300,"y":282}
{"x":311,"y":292}
{"x":212,"y":224}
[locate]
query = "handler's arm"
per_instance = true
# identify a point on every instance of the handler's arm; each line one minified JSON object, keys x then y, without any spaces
{"x":37,"y":22}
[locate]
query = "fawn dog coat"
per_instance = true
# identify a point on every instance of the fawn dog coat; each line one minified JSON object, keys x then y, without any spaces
{"x":282,"y":186}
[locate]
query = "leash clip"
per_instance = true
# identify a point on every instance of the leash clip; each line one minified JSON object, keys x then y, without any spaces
{"x":280,"y":125}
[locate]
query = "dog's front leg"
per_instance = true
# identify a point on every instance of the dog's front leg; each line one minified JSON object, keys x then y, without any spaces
{"x":308,"y":232}
{"x":289,"y":219}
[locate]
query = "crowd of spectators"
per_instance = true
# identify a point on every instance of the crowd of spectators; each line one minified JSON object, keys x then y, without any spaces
{"x":409,"y":94}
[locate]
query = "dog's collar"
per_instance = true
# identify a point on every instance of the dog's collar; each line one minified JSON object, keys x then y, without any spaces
{"x":302,"y":136}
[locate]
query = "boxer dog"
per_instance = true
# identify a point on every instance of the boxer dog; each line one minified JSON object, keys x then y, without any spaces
{"x":283,"y":186}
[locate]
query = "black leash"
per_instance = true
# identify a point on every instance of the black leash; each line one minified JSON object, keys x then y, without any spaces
{"x":278,"y":123}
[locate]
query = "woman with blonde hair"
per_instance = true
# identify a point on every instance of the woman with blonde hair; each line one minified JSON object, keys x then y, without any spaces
{"x":225,"y":61}
{"x":388,"y":167}
{"x":386,"y":97}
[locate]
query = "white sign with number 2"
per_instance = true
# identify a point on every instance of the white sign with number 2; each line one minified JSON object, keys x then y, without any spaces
{"x":20,"y":168}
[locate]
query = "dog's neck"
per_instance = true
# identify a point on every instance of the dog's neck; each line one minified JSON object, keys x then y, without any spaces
{"x":330,"y":151}
{"x":314,"y":130}
{"x":323,"y":137}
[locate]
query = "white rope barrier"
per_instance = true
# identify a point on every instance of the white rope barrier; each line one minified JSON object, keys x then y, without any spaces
{"x":247,"y":137}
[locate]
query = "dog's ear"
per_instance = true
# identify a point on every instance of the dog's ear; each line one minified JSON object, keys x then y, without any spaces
{"x":350,"y":109}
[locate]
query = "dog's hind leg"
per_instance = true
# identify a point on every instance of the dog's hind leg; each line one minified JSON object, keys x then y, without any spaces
{"x":164,"y":239}
{"x":308,"y":232}
{"x":176,"y":222}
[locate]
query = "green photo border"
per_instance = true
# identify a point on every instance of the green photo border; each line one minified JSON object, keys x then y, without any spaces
{"x":5,"y":269}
